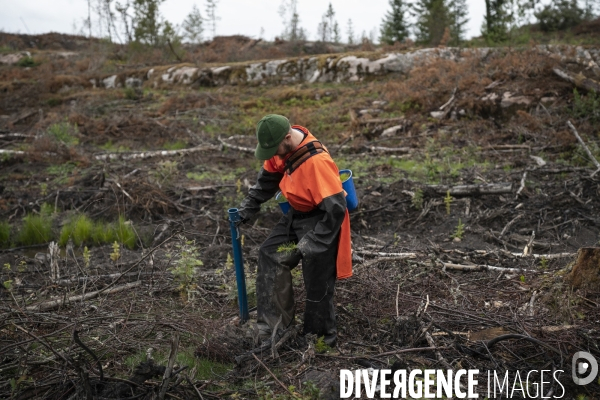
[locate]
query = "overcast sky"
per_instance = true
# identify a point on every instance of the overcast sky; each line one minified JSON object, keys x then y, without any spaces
{"x":245,"y":17}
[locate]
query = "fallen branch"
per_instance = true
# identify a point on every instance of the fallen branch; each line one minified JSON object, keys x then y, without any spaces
{"x":546,"y":256}
{"x":510,"y":223}
{"x":50,"y":305}
{"x":384,"y":259}
{"x":465,"y":190}
{"x":441,"y":114}
{"x":522,"y":185}
{"x":234,"y":146}
{"x":15,"y":135}
{"x":379,"y":149}
{"x":148,"y":154}
{"x":462,"y":267}
{"x":12,"y":152}
{"x":587,"y":150}
{"x":276,"y":379}
{"x":380,"y":254}
{"x":579,"y":80}
{"x":381,"y":120}
{"x":168,"y":371}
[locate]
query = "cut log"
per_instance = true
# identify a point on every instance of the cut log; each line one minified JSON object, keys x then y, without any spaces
{"x":586,"y":271}
{"x":579,"y":80}
{"x":467,"y":190}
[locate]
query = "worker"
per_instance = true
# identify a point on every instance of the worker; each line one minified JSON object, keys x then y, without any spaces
{"x":296,"y":163}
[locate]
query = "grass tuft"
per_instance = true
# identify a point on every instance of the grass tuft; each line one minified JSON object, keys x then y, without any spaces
{"x":125,"y":233}
{"x":80,"y":229}
{"x":4,"y":233}
{"x":36,"y":229}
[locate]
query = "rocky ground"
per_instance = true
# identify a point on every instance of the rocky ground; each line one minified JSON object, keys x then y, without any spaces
{"x":471,"y":217}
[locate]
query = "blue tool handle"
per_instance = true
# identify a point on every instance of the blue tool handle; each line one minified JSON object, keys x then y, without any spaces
{"x":238,"y":260}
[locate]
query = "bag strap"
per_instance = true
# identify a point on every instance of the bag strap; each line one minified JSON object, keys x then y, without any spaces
{"x":302,"y":154}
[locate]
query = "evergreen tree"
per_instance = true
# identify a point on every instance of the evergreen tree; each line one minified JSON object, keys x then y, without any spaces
{"x":329,"y":14}
{"x":458,"y":20}
{"x":192,"y":26}
{"x":336,"y":33}
{"x":328,"y":29}
{"x":495,"y":24}
{"x":147,"y":21}
{"x":350,"y":32}
{"x":289,"y":13}
{"x":211,"y":16}
{"x":323,"y":30}
{"x":433,"y":17}
{"x":560,"y":15}
{"x":394,"y":27}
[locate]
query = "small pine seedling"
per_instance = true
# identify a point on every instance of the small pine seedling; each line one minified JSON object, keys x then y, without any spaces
{"x":417,"y":199}
{"x":321,"y":346}
{"x":86,"y":257}
{"x":116,"y":253}
{"x":460,"y":230}
{"x":287,"y":247}
{"x":448,"y":201}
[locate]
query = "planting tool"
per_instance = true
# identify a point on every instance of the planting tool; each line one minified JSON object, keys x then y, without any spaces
{"x":238,"y":260}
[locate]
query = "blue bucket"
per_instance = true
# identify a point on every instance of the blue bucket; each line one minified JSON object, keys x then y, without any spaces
{"x":348,"y":186}
{"x":284,"y":205}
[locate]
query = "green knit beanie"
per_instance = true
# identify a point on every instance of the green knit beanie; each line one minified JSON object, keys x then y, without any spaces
{"x":270,"y":132}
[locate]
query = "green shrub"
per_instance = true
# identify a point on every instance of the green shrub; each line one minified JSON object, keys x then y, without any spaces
{"x":561,"y":15}
{"x":132,"y":93}
{"x":64,"y":132}
{"x":26,"y":62}
{"x":4,"y":234}
{"x":53,"y":102}
{"x":586,"y":107}
{"x":36,"y":229}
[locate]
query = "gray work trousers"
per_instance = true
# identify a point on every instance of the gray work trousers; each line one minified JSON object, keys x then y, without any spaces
{"x":274,"y":291}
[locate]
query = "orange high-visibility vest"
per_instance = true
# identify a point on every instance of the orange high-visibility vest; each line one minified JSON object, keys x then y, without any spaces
{"x":317,"y":178}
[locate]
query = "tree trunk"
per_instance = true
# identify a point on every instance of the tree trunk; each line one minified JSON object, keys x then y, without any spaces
{"x":586,"y":271}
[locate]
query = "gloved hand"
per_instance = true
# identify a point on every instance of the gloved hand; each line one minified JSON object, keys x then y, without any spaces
{"x":243,"y":217}
{"x":290,"y":258}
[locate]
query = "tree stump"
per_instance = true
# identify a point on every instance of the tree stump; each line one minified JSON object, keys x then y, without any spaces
{"x":586,"y":271}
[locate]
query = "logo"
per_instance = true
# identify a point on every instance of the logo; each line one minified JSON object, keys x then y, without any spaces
{"x":583,"y":364}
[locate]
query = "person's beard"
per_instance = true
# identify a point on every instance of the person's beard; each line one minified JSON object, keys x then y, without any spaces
{"x":287,"y":149}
